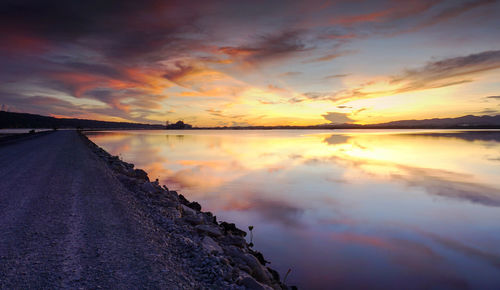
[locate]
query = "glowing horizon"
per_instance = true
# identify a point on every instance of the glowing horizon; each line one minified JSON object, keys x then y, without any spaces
{"x":270,"y":63}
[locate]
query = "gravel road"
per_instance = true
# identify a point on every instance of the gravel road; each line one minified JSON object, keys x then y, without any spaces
{"x":67,"y":222}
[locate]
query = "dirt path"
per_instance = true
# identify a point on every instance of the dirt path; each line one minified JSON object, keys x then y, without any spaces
{"x":66,"y":222}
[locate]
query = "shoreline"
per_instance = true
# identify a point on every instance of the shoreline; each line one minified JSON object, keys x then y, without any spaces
{"x":217,"y":250}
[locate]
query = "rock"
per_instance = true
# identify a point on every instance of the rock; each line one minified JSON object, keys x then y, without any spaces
{"x":274,"y":273}
{"x":209,"y":230}
{"x":234,"y":240}
{"x":193,"y":219}
{"x":173,"y":212}
{"x":231,"y":228}
{"x":186,"y":211}
{"x":259,"y":257}
{"x":208,"y":218}
{"x":246,"y":261}
{"x":258,"y":272}
{"x":251,"y":284}
{"x":183,"y":200}
{"x":210,"y":245}
{"x":148,"y":187}
{"x":141,"y":174}
{"x":194,"y":205}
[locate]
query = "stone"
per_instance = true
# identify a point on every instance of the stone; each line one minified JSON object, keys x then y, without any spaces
{"x":186,"y":211}
{"x":194,"y":205}
{"x":141,"y":174}
{"x":274,"y":273}
{"x":148,"y":187}
{"x":193,"y":219}
{"x":183,"y":200}
{"x":210,"y":245}
{"x":259,"y":257}
{"x":209,"y":230}
{"x":251,"y":284}
{"x":247,"y":261}
{"x":258,"y":271}
{"x":231,"y":228}
{"x":235,"y":240}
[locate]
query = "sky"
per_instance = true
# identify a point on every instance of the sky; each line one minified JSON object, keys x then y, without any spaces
{"x":238,"y":63}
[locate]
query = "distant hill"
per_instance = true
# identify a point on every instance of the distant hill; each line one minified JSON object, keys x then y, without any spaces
{"x":465,"y":122}
{"x":468,"y":121}
{"x":23,"y":120}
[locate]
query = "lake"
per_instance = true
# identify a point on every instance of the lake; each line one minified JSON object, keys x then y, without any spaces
{"x":343,"y":209}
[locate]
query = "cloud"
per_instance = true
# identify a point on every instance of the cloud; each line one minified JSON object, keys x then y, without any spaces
{"x":435,"y":74}
{"x":290,"y":74}
{"x":266,"y":102}
{"x":452,"y":12}
{"x":462,"y":66}
{"x":336,"y":139}
{"x":337,"y":118}
{"x":268,"y":47}
{"x":385,"y":14}
{"x":179,"y":71}
{"x":335,"y":76}
{"x":130,"y":55}
{"x":221,"y":114}
{"x":4,"y":107}
{"x":489,"y":112}
{"x":282,"y":212}
{"x":493,"y":97}
{"x":329,"y":57}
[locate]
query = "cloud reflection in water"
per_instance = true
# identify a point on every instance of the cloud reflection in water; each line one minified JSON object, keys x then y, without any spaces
{"x":348,"y":209}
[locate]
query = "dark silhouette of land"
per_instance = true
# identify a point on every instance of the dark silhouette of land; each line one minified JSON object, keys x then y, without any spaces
{"x":23,"y":120}
{"x":465,"y":122}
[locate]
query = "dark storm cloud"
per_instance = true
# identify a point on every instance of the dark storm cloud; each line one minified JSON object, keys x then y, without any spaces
{"x":115,"y":27}
{"x":89,"y":48}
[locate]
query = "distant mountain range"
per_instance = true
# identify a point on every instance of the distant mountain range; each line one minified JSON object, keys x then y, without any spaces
{"x":23,"y":120}
{"x":460,"y":122}
{"x":465,"y":122}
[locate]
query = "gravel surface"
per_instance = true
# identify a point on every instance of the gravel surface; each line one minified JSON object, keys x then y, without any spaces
{"x":73,"y":216}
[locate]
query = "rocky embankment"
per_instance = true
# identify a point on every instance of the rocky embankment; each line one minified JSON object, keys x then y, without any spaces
{"x":214,"y":253}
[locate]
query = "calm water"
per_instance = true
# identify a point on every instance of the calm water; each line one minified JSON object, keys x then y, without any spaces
{"x":343,"y":209}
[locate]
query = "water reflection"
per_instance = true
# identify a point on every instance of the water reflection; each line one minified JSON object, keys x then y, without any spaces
{"x":373,"y":209}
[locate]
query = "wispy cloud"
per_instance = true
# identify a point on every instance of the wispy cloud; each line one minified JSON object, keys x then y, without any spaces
{"x":335,"y":76}
{"x":268,"y":47}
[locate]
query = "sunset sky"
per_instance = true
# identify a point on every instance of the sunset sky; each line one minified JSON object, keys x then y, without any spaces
{"x":215,"y":63}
